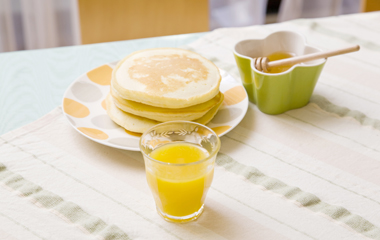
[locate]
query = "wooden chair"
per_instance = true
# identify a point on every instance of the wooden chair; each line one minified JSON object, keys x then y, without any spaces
{"x":113,"y":20}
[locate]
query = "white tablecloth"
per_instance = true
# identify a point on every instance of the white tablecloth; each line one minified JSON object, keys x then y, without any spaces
{"x":310,"y":173}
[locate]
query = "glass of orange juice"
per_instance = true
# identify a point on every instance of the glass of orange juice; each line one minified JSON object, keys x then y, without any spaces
{"x":179,"y":163}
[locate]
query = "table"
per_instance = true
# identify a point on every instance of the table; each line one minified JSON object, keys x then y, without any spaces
{"x":310,"y":173}
{"x":32,"y":82}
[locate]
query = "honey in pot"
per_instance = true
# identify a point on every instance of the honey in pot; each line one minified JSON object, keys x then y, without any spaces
{"x":278,"y":56}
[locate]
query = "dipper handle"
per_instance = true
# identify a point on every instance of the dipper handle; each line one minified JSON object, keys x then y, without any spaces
{"x":312,"y":56}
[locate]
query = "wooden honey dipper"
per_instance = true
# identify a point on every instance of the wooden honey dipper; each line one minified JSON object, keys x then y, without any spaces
{"x":262,"y":63}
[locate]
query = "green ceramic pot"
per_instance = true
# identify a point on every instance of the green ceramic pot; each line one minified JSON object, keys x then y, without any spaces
{"x":279,"y":92}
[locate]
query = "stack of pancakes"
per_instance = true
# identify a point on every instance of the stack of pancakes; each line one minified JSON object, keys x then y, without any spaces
{"x":163,"y":84}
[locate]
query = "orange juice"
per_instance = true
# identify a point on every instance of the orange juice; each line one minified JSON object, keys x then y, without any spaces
{"x":180,"y":187}
{"x":278,"y":56}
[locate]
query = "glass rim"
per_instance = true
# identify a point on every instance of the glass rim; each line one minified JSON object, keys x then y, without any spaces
{"x":212,"y":154}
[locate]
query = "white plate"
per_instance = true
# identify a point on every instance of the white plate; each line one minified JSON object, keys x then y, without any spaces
{"x":84,"y":107}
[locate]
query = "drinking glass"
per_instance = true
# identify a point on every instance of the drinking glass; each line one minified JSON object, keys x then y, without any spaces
{"x":179,"y":189}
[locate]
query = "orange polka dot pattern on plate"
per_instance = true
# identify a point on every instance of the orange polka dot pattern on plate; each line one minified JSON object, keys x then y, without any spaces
{"x":221,"y":129}
{"x":75,"y":109}
{"x":104,"y":105}
{"x":101,"y":75}
{"x":234,"y":95}
{"x":93,"y":133}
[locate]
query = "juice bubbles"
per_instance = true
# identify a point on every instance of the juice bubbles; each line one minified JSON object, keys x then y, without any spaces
{"x":180,"y":185}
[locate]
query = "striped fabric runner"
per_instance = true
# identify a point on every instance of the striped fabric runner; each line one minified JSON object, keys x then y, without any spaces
{"x":310,"y":173}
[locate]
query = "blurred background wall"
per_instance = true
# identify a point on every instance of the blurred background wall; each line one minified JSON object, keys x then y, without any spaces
{"x":35,"y":24}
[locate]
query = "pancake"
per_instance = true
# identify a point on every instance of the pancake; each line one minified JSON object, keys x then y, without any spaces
{"x":126,"y":120}
{"x":166,"y":78}
{"x":140,"y":124}
{"x":211,"y":114}
{"x":164,"y":114}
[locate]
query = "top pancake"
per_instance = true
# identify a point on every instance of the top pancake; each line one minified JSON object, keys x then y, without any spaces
{"x":166,"y":77}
